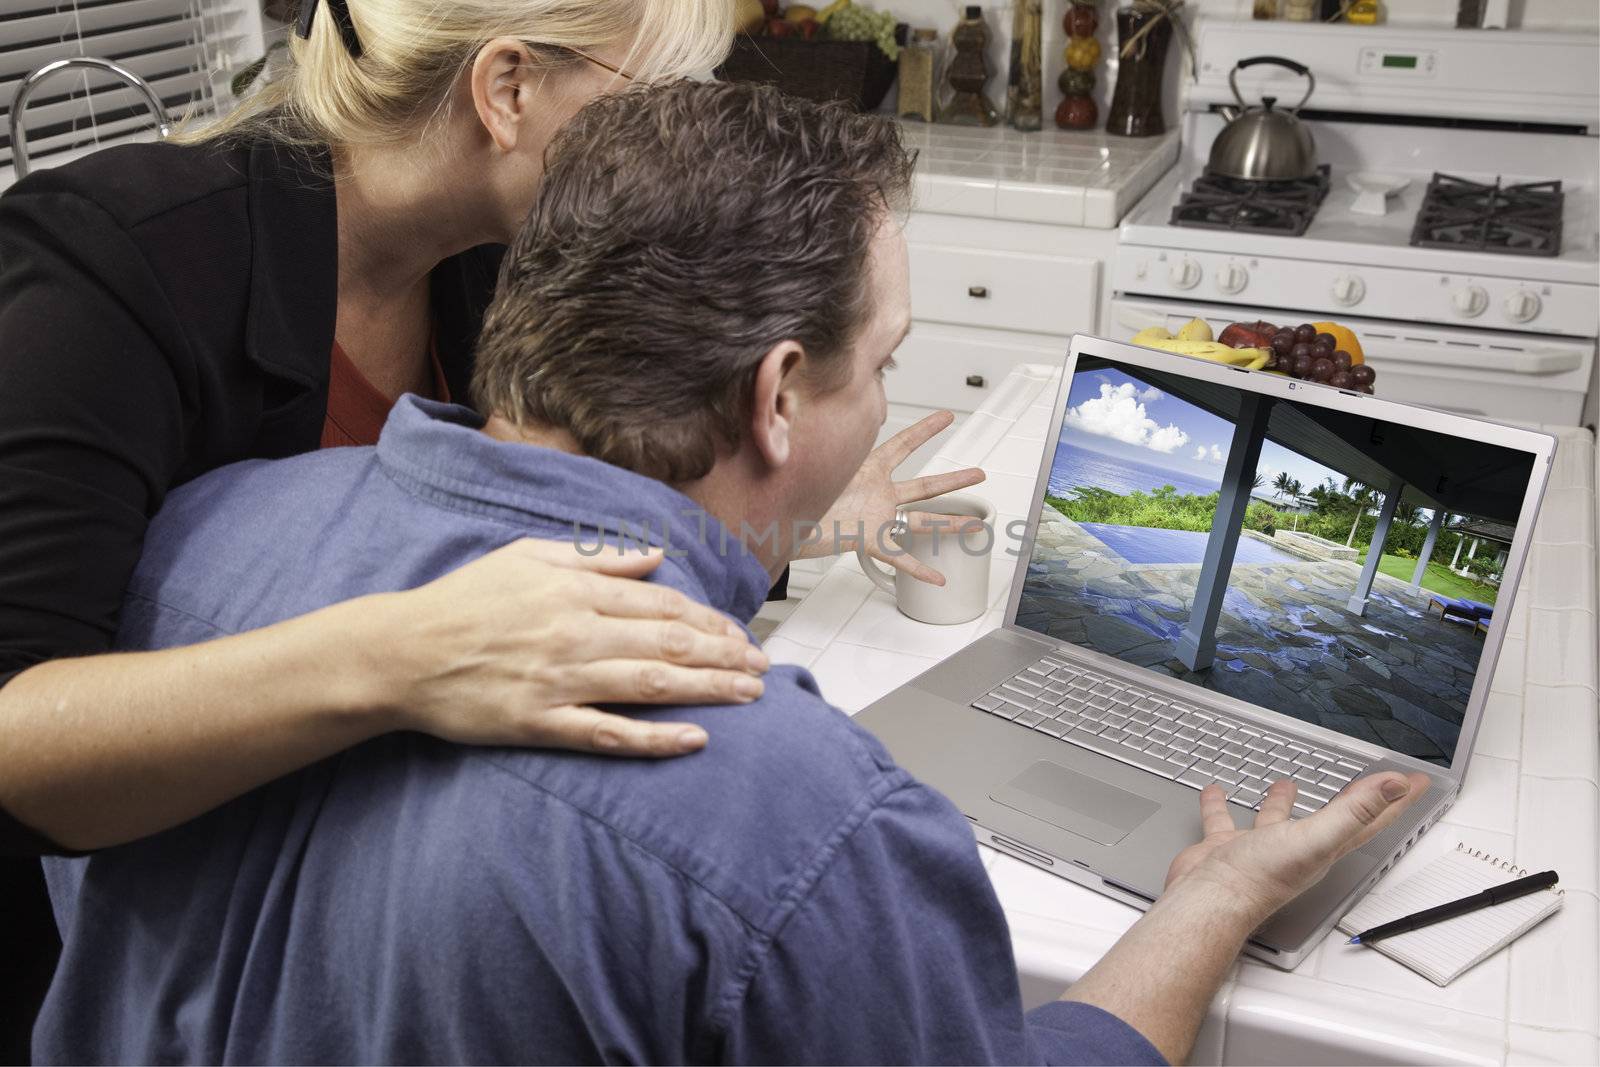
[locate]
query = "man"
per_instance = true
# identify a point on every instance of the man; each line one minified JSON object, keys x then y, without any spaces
{"x":688,"y":344}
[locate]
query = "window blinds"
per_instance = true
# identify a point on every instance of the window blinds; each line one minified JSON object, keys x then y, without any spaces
{"x":183,"y":48}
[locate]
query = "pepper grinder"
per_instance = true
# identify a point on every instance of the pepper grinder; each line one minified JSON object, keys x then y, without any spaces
{"x":969,"y":73}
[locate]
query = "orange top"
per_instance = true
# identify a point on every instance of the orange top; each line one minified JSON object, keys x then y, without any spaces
{"x":356,"y":409}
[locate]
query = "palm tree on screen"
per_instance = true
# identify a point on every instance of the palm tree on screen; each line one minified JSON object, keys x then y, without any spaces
{"x":1282,"y":483}
{"x":1363,"y":495}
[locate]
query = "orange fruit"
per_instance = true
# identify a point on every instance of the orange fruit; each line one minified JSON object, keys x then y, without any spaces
{"x":1346,"y":338}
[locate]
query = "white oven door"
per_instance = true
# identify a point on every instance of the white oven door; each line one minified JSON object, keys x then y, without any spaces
{"x":1506,"y":376}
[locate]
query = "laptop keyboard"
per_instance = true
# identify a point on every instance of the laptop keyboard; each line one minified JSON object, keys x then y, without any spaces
{"x":1169,"y":738}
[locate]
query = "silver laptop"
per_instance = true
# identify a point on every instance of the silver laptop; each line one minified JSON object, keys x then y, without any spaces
{"x":1195,"y":600}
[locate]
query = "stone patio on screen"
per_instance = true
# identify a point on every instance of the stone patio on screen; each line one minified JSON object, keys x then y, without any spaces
{"x":1286,"y":640}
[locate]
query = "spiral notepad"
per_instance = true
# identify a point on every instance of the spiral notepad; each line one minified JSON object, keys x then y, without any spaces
{"x":1444,"y":950}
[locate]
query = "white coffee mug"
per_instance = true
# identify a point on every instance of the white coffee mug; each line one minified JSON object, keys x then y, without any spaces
{"x":962,"y":558}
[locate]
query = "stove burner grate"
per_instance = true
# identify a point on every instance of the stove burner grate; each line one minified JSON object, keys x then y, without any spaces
{"x":1522,"y":220}
{"x":1252,"y":206}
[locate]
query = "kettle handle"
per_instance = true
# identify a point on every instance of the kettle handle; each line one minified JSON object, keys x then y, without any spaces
{"x":1277,"y":61}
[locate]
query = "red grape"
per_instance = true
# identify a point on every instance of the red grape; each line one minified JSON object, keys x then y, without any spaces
{"x":1341,"y":360}
{"x":1362,"y":374}
{"x":1341,"y":379}
{"x":1321,"y":370}
{"x":1301,"y":366}
{"x":1325,"y":340}
{"x":1283,"y":342}
{"x":1367,"y":389}
{"x":1303,"y":349}
{"x":1305,"y":332}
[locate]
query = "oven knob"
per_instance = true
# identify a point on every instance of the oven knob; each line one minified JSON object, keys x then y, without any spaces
{"x":1522,"y":306}
{"x":1348,"y":290}
{"x":1185,"y":273}
{"x":1470,"y":302}
{"x":1232,"y":278}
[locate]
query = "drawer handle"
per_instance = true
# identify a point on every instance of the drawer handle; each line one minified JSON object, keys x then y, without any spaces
{"x":980,"y":292}
{"x":975,"y":380}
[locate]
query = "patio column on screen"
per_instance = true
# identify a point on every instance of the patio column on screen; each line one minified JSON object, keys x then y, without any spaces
{"x":1197,"y":648}
{"x":1391,"y":500}
{"x":1427,"y":549}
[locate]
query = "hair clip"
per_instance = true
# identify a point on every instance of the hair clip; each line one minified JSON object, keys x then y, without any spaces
{"x":340,"y":9}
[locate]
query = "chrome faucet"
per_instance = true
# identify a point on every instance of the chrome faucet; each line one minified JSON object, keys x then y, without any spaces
{"x":19,"y":136}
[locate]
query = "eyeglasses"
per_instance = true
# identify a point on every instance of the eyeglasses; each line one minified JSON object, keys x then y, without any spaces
{"x":597,"y":61}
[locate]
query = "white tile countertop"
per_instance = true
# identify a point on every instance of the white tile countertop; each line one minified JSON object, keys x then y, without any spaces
{"x":1064,"y":177}
{"x":1532,"y":792}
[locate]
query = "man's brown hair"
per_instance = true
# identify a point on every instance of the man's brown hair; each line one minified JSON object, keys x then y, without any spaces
{"x":680,"y":232}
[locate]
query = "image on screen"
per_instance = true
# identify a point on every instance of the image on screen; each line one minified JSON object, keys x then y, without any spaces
{"x":1333,"y":567}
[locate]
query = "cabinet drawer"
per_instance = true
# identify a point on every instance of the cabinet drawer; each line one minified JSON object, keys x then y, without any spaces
{"x":958,"y":368}
{"x":1004,"y":290}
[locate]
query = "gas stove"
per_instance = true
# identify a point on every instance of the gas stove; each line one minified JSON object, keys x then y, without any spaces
{"x":1282,"y":207}
{"x":1524,"y":219}
{"x":1480,"y":284}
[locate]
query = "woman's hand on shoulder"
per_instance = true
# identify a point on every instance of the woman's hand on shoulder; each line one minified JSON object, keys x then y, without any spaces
{"x":517,"y":646}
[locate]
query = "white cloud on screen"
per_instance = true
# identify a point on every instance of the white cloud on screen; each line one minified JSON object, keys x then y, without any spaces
{"x":1119,"y":413}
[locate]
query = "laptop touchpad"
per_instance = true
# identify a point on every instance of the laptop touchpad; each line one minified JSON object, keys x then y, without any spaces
{"x":1075,"y":802}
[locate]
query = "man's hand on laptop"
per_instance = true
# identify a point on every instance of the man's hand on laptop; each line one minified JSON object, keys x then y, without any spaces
{"x":868,"y":504}
{"x":1278,"y":859}
{"x":1161,"y":976}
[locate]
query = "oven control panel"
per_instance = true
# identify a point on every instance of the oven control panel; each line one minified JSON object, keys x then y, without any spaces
{"x":1402,"y":63}
{"x":1263,"y":282}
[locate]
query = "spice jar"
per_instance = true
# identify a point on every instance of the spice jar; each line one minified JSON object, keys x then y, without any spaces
{"x":969,"y":73}
{"x":919,"y":76}
{"x":1025,"y":86}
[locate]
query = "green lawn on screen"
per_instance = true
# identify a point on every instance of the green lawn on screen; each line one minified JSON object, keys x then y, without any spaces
{"x":1437,"y":579}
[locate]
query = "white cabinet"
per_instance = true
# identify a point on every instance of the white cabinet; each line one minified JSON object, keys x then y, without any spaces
{"x":987,"y":295}
{"x":1004,"y":290}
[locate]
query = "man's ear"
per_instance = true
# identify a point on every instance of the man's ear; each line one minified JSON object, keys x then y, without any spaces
{"x":775,"y":401}
{"x":501,"y":79}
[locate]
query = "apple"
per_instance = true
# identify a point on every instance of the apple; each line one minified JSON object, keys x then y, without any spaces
{"x":779,"y":28}
{"x":1248,"y":334}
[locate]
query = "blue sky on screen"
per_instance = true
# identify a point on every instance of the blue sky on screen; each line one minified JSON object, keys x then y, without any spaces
{"x":1114,"y":414}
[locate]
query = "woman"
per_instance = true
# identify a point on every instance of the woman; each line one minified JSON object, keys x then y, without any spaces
{"x":272,"y":286}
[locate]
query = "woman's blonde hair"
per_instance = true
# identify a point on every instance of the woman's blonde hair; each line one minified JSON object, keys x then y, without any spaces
{"x":414,"y":50}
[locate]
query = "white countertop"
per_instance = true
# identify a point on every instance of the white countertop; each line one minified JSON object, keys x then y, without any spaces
{"x":1532,"y":792}
{"x":1064,"y":177}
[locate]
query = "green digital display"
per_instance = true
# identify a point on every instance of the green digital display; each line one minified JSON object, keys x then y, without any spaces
{"x":1404,"y":62}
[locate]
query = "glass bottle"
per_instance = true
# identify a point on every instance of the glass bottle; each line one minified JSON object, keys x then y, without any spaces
{"x":969,"y":73}
{"x":1025,"y":88}
{"x":919,"y":77}
{"x":1136,"y":101}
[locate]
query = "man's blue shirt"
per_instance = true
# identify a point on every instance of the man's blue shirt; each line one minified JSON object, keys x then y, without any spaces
{"x":788,"y":894}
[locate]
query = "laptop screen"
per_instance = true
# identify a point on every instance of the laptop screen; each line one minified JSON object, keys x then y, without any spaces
{"x":1333,"y":567}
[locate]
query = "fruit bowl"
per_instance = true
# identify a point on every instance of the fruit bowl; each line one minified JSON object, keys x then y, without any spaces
{"x":856,"y":72}
{"x":1325,"y":353}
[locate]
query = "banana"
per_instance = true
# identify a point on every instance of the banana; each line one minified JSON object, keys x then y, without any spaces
{"x":1195,"y":340}
{"x":1251,"y":358}
{"x":828,"y":12}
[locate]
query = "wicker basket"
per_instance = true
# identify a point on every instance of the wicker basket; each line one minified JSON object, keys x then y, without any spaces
{"x":856,"y":72}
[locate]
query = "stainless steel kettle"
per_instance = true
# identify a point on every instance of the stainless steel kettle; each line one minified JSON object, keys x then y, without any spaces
{"x":1265,"y":143}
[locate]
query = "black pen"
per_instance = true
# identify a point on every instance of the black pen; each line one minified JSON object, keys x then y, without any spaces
{"x":1494,"y":895}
